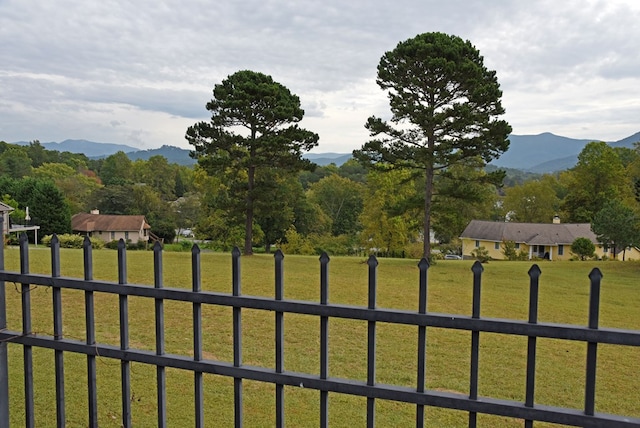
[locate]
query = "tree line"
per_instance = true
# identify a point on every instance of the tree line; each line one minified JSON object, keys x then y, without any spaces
{"x":345,"y":209}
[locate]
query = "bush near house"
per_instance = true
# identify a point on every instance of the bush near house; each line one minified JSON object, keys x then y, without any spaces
{"x":583,"y":248}
{"x":481,"y":254}
{"x":510,"y":252}
{"x":68,"y":240}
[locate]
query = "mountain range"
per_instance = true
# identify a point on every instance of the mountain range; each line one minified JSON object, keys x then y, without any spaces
{"x":540,"y":153}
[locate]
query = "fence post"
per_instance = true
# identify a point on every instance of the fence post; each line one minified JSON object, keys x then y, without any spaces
{"x":279,"y":291}
{"x":324,"y":339}
{"x":371,"y":341}
{"x":57,"y":332}
{"x":592,"y":347}
{"x":4,"y":366}
{"x":423,"y":265}
{"x":237,"y":338}
{"x":198,"y":379}
{"x":534,"y":285}
{"x":27,"y":350}
{"x":477,"y":270}
{"x":125,"y":366}
{"x":92,"y":382}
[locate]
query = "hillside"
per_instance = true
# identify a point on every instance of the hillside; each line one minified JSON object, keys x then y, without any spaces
{"x":89,"y":148}
{"x":527,"y":151}
{"x":171,"y":153}
{"x":540,"y":153}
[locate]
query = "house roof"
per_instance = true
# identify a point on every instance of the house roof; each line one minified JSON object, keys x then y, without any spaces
{"x":5,"y":208}
{"x":528,"y":233}
{"x":85,"y":222}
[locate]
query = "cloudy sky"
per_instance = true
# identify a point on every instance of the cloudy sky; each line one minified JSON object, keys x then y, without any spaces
{"x":140,"y":72}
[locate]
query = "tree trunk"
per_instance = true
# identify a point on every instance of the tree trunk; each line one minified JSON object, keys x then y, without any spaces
{"x":428,"y":195}
{"x":248,"y":226}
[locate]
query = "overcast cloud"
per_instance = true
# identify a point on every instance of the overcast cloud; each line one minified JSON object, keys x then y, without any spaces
{"x":140,"y":72}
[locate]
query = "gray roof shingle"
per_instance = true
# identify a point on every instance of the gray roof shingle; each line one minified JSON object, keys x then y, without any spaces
{"x":528,"y":233}
{"x":85,"y":222}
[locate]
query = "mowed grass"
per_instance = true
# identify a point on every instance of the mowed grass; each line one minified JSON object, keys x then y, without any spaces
{"x":564,"y":295}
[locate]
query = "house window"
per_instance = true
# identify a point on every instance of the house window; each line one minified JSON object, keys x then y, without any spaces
{"x":560,"y":250}
{"x":517,"y":245}
{"x":113,"y":236}
{"x":496,"y":245}
{"x":477,"y":244}
{"x":126,"y":236}
{"x":99,"y":232}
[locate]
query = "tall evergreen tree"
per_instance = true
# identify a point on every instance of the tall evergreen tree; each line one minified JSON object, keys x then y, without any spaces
{"x":445,"y":106}
{"x":253,"y":127}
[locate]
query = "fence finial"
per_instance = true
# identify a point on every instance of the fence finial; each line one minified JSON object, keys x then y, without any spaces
{"x":423,"y":263}
{"x":477,"y":267}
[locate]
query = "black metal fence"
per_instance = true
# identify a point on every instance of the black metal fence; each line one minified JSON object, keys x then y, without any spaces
{"x":528,"y":411}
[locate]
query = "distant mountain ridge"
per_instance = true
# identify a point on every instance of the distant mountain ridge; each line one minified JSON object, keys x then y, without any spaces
{"x":89,"y":148}
{"x":540,"y":153}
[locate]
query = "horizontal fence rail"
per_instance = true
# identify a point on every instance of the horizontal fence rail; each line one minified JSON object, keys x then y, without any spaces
{"x":528,"y":411}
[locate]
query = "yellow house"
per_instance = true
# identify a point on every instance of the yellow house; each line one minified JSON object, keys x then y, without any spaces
{"x":550,"y":241}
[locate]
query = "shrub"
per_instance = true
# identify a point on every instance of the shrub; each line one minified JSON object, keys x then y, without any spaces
{"x":481,"y":254}
{"x":68,"y":240}
{"x":295,"y":243}
{"x":583,"y":248}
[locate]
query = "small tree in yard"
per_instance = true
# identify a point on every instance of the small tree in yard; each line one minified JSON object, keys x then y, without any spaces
{"x":511,"y":253}
{"x":583,"y":248}
{"x":481,"y":254}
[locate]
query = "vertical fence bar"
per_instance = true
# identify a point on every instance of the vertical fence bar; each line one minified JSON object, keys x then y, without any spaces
{"x":324,"y":339}
{"x":4,"y":364}
{"x":237,"y":338}
{"x":592,"y":347}
{"x":423,"y":265}
{"x":92,"y":387}
{"x":125,"y":366}
{"x":26,"y":330}
{"x":159,"y":307}
{"x":196,"y":280}
{"x":371,"y":341}
{"x":279,"y":291}
{"x":475,"y":340}
{"x":534,"y":278}
{"x":57,"y":332}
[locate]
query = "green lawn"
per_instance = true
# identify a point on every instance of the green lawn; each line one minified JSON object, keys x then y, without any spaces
{"x":564,"y":294}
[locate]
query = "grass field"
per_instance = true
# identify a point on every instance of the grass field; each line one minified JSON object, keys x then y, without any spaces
{"x":564,"y":294}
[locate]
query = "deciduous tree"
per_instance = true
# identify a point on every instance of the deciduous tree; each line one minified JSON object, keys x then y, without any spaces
{"x":76,"y":186}
{"x":341,"y":200}
{"x":616,"y":226}
{"x":598,"y":177}
{"x":389,"y":221}
{"x":445,"y":106}
{"x":116,"y":169}
{"x":532,"y":202}
{"x":253,"y":126}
